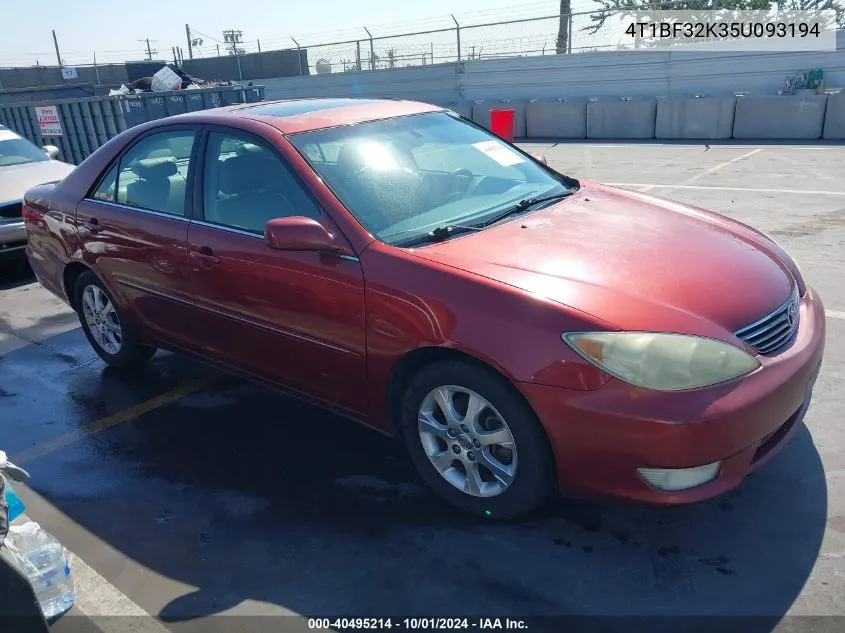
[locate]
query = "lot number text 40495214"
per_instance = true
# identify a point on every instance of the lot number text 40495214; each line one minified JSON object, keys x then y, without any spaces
{"x":416,"y":624}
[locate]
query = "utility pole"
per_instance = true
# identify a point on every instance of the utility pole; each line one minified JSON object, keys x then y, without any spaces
{"x":56,"y":43}
{"x":190,"y":47}
{"x":150,"y":51}
{"x":233,"y":38}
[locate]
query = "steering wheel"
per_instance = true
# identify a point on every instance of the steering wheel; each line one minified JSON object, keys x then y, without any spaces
{"x":462,"y":180}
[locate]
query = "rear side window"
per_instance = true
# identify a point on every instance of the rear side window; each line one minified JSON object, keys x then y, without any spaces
{"x":152,"y":174}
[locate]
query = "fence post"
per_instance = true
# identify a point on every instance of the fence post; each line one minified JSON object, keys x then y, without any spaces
{"x":458,"y":35}
{"x":96,"y":68}
{"x":298,"y":54}
{"x":372,"y":50}
{"x":358,"y":55}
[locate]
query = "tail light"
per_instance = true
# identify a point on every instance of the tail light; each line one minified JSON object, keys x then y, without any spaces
{"x":26,"y":213}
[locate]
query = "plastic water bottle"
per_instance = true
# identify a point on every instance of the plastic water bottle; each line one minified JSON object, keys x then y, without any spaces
{"x":44,"y":561}
{"x":16,"y":506}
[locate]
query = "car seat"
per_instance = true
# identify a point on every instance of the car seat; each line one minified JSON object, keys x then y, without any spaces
{"x":152,"y":190}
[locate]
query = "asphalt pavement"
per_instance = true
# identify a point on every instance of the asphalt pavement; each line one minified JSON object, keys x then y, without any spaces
{"x":186,"y":495}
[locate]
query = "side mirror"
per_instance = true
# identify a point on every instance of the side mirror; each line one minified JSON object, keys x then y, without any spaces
{"x":299,"y":233}
{"x":540,"y":158}
{"x":51,"y":150}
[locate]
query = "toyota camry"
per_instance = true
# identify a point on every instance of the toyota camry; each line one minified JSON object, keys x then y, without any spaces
{"x":523,"y":332}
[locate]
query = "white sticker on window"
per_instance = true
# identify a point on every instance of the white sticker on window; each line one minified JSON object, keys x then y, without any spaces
{"x":498,"y":152}
{"x":8,"y":135}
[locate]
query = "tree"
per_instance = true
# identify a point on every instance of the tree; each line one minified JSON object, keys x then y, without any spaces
{"x":837,"y":6}
{"x":627,"y":8}
{"x":563,"y":30}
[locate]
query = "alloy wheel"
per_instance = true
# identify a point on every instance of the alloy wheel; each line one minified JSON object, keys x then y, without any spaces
{"x":102,"y":320}
{"x":467,"y":441}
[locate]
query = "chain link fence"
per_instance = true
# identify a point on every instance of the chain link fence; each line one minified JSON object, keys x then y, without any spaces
{"x":547,"y":34}
{"x":539,"y":29}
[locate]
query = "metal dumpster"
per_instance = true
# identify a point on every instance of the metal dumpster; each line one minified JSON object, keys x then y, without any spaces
{"x":87,"y":123}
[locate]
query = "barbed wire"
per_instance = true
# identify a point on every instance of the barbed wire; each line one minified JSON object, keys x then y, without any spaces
{"x":533,"y":28}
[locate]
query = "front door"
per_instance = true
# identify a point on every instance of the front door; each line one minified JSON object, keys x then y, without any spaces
{"x":134,"y":231}
{"x":296,"y":318}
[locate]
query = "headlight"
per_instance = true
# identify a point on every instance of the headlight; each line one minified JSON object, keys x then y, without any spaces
{"x":664,"y":362}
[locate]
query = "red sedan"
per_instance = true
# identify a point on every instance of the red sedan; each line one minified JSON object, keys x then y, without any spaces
{"x":521,"y":331}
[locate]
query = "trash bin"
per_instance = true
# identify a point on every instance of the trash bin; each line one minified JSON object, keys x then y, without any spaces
{"x":501,"y":123}
{"x":135,"y":111}
{"x":176,"y":104}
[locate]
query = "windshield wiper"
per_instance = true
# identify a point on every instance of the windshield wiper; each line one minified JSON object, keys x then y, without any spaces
{"x":448,"y":230}
{"x":439,"y":234}
{"x":523,"y":205}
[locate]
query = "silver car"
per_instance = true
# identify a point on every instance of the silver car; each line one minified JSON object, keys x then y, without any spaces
{"x":22,"y":165}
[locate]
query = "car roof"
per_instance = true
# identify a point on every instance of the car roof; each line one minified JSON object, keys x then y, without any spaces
{"x":291,"y":116}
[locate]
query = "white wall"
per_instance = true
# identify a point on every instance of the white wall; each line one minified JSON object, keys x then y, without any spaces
{"x":603,"y":74}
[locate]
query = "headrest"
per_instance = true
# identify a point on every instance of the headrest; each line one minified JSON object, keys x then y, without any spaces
{"x":250,"y":149}
{"x":246,"y":173}
{"x":155,"y":168}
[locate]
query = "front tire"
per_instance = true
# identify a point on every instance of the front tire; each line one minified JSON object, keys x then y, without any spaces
{"x":114,"y":339}
{"x":475,"y":441}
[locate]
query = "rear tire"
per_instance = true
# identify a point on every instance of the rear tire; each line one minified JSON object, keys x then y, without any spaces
{"x":111,"y":335}
{"x":489,"y":455}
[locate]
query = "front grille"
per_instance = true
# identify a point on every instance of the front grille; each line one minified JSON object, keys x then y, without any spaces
{"x":12,"y":210}
{"x":774,"y":331}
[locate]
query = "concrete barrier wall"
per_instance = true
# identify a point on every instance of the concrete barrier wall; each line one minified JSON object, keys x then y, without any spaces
{"x":782,"y":118}
{"x":556,"y":119}
{"x":621,"y":119}
{"x":834,"y":120}
{"x":695,"y":118}
{"x":661,"y":85}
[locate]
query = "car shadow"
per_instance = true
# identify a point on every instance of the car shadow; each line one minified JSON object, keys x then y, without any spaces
{"x":14,"y":273}
{"x":250,"y":495}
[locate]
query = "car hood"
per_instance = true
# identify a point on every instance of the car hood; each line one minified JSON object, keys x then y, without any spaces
{"x":16,"y":179}
{"x":632,"y":260}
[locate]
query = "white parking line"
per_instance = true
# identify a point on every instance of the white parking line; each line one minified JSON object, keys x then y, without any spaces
{"x":834,"y":314}
{"x":803,"y":192}
{"x":711,"y":170}
{"x":99,"y":600}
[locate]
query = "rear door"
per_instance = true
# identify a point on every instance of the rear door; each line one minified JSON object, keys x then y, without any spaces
{"x":296,"y":318}
{"x":133,"y":227}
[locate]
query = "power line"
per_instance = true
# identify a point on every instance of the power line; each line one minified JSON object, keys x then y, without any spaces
{"x":150,"y":51}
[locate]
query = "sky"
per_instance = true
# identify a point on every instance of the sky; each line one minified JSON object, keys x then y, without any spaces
{"x":113,"y":29}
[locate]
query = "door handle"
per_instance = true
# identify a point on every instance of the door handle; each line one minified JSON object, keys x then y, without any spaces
{"x":93,"y":225}
{"x":204,"y":258}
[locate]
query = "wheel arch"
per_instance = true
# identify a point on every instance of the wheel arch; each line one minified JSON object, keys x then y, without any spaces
{"x":72,"y":271}
{"x":413,"y":361}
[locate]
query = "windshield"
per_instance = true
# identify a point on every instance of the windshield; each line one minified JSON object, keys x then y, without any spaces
{"x":15,"y":150}
{"x":405,"y":176}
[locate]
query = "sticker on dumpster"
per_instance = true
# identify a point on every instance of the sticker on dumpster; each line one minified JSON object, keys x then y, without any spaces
{"x":499,"y":153}
{"x":49,"y":123}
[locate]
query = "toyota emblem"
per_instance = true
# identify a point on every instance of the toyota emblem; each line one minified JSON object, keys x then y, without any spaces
{"x":792,"y":314}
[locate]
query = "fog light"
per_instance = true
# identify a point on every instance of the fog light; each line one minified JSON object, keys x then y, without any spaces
{"x":680,"y":478}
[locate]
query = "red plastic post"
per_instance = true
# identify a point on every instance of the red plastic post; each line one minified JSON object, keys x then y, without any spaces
{"x":501,"y":124}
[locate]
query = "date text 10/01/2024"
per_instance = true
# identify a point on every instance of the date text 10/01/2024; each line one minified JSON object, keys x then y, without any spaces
{"x":416,"y":624}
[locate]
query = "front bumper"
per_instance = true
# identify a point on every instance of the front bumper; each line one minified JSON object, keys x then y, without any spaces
{"x":600,"y":438}
{"x":12,"y":238}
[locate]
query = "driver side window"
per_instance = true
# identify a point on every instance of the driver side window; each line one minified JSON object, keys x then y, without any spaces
{"x":246,"y":184}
